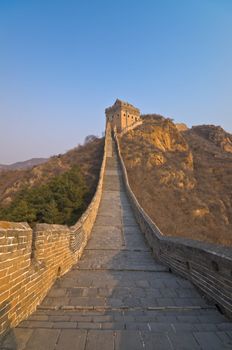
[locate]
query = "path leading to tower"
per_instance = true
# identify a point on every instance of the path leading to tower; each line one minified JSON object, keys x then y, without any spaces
{"x":118,"y":297}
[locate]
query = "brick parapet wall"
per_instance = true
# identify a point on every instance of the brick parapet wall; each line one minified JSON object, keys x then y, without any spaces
{"x":207,"y":266}
{"x":31,"y":260}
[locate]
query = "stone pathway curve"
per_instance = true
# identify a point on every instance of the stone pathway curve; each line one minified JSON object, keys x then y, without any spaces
{"x":118,"y":297}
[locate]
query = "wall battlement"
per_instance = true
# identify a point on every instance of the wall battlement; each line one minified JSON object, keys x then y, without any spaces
{"x":31,"y":260}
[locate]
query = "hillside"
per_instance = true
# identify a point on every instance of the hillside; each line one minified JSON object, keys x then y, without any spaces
{"x":182,"y":178}
{"x":24,"y":192}
{"x":27,"y":164}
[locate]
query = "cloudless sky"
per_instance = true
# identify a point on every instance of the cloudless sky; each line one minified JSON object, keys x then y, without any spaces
{"x":63,"y":61}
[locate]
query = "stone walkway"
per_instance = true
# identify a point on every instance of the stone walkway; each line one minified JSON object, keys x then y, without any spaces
{"x":118,"y":297}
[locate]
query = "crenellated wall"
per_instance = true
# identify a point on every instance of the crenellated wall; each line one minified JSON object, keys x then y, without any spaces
{"x":30,"y":261}
{"x":208,"y":266}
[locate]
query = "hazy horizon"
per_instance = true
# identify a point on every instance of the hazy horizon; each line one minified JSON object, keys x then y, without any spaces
{"x":63,"y":63}
{"x":47,"y":155}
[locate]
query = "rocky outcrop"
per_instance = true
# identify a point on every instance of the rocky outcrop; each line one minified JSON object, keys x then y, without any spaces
{"x":181,"y":127}
{"x":183,"y":179}
{"x":216,"y":135}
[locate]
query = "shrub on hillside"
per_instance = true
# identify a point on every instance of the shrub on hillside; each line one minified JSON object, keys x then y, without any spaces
{"x":60,"y":201}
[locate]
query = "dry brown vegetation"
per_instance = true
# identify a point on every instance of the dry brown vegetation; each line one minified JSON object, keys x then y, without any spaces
{"x":88,"y":158}
{"x":182,"y":179}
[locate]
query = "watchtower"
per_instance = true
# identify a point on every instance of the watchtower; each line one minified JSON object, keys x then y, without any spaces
{"x":122,"y":114}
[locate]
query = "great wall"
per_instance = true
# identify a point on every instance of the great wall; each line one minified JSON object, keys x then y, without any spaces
{"x":112,"y":281}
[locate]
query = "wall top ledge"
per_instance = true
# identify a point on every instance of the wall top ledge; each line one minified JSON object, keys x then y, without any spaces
{"x":50,"y":227}
{"x":7,"y":225}
{"x":220,"y":251}
{"x":210,"y":248}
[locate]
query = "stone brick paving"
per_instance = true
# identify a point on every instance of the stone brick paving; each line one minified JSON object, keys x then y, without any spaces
{"x":118,"y":297}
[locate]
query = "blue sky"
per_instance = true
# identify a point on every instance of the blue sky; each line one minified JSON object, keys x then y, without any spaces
{"x":63,"y":61}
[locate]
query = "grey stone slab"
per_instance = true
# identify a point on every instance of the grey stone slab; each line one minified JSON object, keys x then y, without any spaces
{"x":103,"y":318}
{"x":209,"y":341}
{"x":216,"y":318}
{"x":140,"y":326}
{"x":76,"y":292}
{"x":186,"y":292}
{"x":88,"y":325}
{"x":17,"y":339}
{"x":90,"y":292}
{"x":208,"y":327}
{"x":142,"y":283}
{"x":229,"y":333}
{"x":38,"y":324}
{"x":43,"y":339}
{"x":57,"y":292}
{"x":156,"y":341}
{"x":189,"y":302}
{"x":72,"y":339}
{"x":125,"y":340}
{"x":166,"y":302}
{"x":225,"y":338}
{"x":113,"y":325}
{"x":108,"y":221}
{"x":87,"y":301}
{"x":132,"y":230}
{"x":183,"y":341}
{"x":59,"y":318}
{"x":59,"y":301}
{"x":166,"y":318}
{"x":168,"y":292}
{"x":65,"y":325}
{"x":36,"y":317}
{"x":112,"y":210}
{"x":105,"y":292}
{"x":100,"y":340}
{"x":225,"y":326}
{"x":80,"y":318}
{"x":129,"y":221}
{"x":185,"y":327}
{"x":188,"y":319}
{"x":160,"y":327}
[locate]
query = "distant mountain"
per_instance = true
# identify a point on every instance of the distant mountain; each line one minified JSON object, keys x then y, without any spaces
{"x":27,"y":164}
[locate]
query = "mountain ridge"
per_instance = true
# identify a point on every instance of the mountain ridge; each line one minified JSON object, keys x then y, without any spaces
{"x":26,"y":164}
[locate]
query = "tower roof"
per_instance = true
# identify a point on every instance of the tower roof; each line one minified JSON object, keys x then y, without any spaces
{"x":120,"y":103}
